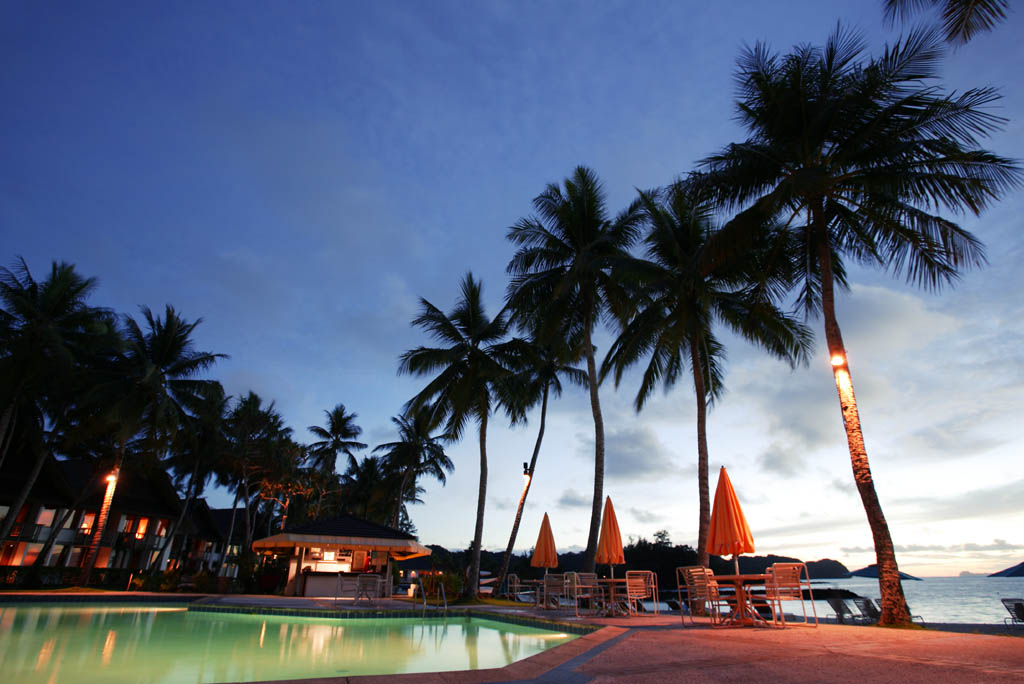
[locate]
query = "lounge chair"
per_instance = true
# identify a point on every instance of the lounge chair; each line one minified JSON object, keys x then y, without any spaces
{"x":786,"y":582}
{"x":918,"y":618}
{"x":512,"y":586}
{"x":1016,"y":608}
{"x":577,"y":591}
{"x":868,"y":611}
{"x":701,"y":590}
{"x":842,"y":613}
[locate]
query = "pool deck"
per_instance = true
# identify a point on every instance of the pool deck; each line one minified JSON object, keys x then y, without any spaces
{"x":661,"y":649}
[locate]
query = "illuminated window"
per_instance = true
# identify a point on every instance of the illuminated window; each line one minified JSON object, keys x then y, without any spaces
{"x":328,"y":555}
{"x":85,"y":527}
{"x":140,"y":532}
{"x":45,"y":517}
{"x":161,"y":528}
{"x":125,"y":523}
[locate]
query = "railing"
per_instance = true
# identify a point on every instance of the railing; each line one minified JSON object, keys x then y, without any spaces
{"x":440,"y":595}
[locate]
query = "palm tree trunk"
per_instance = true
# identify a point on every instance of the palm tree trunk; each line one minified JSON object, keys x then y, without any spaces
{"x":401,"y":495}
{"x":6,"y":430}
{"x":595,"y":408}
{"x":101,"y":521}
{"x":703,"y":487}
{"x":894,"y":604}
{"x":231,"y":533}
{"x":245,"y":503}
{"x":26,"y":489}
{"x":284,"y":511}
{"x":189,"y":495}
{"x":473,"y":587}
{"x":526,"y":490}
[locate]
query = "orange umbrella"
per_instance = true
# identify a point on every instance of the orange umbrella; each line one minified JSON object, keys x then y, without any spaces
{"x":544,"y":554}
{"x":729,"y":530}
{"x":609,"y":544}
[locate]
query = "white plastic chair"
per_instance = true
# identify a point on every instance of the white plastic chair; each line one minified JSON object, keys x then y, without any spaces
{"x":786,"y":582}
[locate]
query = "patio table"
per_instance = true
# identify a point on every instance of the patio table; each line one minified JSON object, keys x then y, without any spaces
{"x":614,"y":589}
{"x":744,"y":612}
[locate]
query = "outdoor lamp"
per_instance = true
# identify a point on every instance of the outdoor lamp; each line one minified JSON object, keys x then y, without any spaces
{"x":112,"y":478}
{"x":838,"y":360}
{"x":526,"y":472}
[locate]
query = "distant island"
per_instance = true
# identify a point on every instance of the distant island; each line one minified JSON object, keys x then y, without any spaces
{"x":1015,"y":571}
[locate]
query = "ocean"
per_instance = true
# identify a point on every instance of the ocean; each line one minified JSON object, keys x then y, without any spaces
{"x":943,"y":599}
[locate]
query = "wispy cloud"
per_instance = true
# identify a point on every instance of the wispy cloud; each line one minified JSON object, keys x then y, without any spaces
{"x":996,"y":545}
{"x":572,"y":499}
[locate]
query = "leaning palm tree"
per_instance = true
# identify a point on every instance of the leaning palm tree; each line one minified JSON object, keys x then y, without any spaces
{"x":683,"y":292}
{"x":563,"y":273}
{"x":854,"y":159}
{"x":467,"y":369}
{"x":336,"y":437}
{"x":415,"y":454}
{"x":150,"y":390}
{"x":538,"y":369}
{"x":961,"y":19}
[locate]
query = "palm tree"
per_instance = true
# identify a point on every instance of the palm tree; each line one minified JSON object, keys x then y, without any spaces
{"x":684,"y":290}
{"x":48,"y":334}
{"x":415,"y":454}
{"x":337,"y":437}
{"x":463,"y":389}
{"x":961,"y":19}
{"x":368,"y":489}
{"x":150,"y":390}
{"x":198,"y":452}
{"x":854,"y":158}
{"x":538,"y":369}
{"x":563,"y":272}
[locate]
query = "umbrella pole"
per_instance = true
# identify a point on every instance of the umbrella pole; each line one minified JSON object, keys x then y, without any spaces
{"x":736,"y":562}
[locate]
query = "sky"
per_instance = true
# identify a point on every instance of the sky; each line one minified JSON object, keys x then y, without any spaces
{"x":299,"y":175}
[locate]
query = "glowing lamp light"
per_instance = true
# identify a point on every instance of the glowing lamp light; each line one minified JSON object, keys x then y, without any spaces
{"x":838,"y":360}
{"x":111,"y":478}
{"x":526,"y":473}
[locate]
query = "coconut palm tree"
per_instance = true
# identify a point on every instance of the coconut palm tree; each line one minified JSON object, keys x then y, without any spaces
{"x":854,"y":158}
{"x":48,"y":335}
{"x":683,"y":292}
{"x":197,"y":453}
{"x":336,"y":437}
{"x":562,"y":271}
{"x":961,"y":19}
{"x":415,"y":454}
{"x":150,"y":390}
{"x":368,"y":489}
{"x":538,"y":369}
{"x":467,"y":369}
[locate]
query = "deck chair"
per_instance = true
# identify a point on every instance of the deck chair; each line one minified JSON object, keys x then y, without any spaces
{"x":554,"y":590}
{"x":701,"y":590}
{"x":786,"y":582}
{"x":868,"y":611}
{"x":918,"y":618}
{"x":1016,"y":608}
{"x":841,"y":612}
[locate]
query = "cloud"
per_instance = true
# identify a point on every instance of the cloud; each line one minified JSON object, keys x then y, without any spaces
{"x":633,"y":454}
{"x":572,"y":499}
{"x":844,"y":486}
{"x":979,"y":503}
{"x":788,"y":462}
{"x":996,"y":545}
{"x":644,"y":516}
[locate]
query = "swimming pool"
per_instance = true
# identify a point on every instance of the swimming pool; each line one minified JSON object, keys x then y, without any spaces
{"x":85,"y":643}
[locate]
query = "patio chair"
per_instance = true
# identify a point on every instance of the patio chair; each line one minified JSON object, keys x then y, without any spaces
{"x":640,"y":585}
{"x":1016,"y":608}
{"x":512,"y":586}
{"x":577,"y":591}
{"x":368,"y":587}
{"x":786,"y":582}
{"x":554,"y":590}
{"x":701,"y":590}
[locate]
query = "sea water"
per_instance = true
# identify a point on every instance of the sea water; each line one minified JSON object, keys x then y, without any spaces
{"x":942,"y":599}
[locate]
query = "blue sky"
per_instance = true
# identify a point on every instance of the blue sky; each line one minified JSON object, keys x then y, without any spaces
{"x":299,"y":174}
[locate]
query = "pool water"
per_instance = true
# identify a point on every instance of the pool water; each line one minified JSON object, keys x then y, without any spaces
{"x":87,"y":643}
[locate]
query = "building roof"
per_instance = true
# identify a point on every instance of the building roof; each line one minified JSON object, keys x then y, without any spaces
{"x":349,"y":526}
{"x":139,"y":491}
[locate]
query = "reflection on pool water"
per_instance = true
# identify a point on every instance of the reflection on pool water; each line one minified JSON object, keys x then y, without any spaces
{"x":89,"y":643}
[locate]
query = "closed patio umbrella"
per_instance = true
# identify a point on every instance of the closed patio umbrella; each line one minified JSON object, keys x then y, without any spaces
{"x":729,"y":530}
{"x":544,"y":554}
{"x":609,"y":544}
